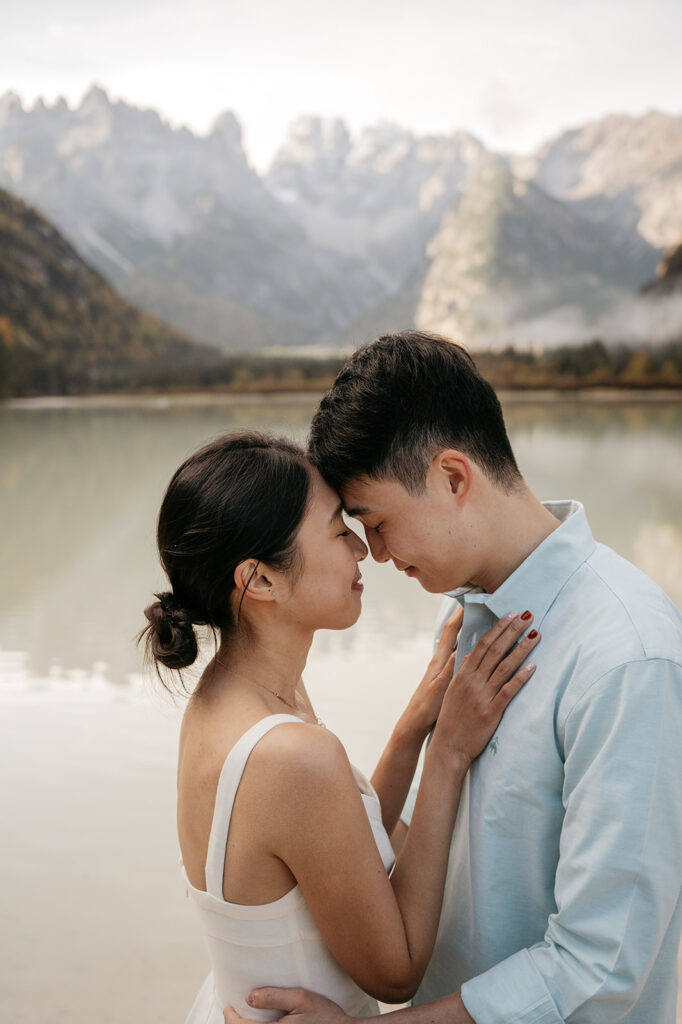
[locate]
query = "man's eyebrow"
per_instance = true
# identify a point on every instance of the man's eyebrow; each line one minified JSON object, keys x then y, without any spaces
{"x":357,"y":510}
{"x":337,"y":512}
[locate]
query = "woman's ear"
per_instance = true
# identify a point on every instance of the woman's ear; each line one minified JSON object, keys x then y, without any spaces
{"x":251,"y":579}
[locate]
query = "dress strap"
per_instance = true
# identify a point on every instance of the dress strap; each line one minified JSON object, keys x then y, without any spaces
{"x":228,"y":784}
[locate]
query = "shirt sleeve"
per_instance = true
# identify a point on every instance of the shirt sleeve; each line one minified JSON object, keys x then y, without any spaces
{"x":620,"y":871}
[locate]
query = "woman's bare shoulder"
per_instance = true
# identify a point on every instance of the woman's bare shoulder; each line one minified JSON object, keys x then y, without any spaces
{"x":301,"y":748}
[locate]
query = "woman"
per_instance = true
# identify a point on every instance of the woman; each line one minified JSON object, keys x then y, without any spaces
{"x":285,"y":845}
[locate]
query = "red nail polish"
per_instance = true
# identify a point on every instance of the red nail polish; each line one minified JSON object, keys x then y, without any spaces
{"x":526,"y":616}
{"x":533,"y":633}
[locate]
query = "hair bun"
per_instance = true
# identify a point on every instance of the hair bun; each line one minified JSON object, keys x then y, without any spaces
{"x":174,"y":643}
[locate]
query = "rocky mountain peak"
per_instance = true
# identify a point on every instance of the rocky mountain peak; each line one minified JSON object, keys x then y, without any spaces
{"x":95,"y":99}
{"x":507,"y":253}
{"x":11,"y":107}
{"x":623,"y":171}
{"x":227,"y":128}
{"x":314,"y":142}
{"x":383,"y":146}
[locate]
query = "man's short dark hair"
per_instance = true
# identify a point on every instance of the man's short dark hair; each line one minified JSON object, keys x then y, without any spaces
{"x":398,"y":401}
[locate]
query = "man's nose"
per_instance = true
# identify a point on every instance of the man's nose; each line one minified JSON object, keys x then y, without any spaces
{"x":377,"y":548}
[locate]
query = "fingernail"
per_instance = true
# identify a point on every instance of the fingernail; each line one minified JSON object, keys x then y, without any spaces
{"x":511,"y":615}
{"x":249,"y":999}
{"x":526,"y":616}
{"x":530,"y":666}
{"x":533,"y":633}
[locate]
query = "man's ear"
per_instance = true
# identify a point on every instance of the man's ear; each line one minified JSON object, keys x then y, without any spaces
{"x":455,"y":467}
{"x":251,"y":579}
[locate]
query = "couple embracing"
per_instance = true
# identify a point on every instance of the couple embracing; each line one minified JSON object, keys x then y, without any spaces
{"x":529,"y":871}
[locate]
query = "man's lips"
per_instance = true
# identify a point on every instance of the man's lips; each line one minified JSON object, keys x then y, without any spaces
{"x":356,"y":584}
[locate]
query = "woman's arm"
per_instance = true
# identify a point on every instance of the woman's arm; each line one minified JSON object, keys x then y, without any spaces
{"x":394,"y":773}
{"x":382,"y":930}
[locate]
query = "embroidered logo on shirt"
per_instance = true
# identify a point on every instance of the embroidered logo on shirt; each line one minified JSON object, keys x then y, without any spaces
{"x":494,"y":744}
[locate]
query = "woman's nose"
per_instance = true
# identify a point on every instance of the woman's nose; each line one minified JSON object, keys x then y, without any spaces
{"x":360,"y":548}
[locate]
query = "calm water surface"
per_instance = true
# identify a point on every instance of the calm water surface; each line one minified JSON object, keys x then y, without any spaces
{"x":95,"y":923}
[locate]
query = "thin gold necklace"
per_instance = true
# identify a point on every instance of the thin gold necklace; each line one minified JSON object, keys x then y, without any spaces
{"x":275,"y":694}
{"x":279,"y":696}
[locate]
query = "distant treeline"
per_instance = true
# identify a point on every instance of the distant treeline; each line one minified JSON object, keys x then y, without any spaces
{"x":593,"y":365}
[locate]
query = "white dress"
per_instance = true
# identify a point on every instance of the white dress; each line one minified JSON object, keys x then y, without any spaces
{"x":274,"y":943}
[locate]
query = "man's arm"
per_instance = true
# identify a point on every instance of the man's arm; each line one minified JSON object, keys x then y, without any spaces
{"x":620,"y":872}
{"x":303,"y":1007}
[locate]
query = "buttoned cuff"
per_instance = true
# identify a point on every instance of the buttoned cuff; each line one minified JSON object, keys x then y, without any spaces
{"x":511,"y":992}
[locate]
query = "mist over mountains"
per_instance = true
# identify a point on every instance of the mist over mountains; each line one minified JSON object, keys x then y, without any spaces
{"x":348,"y":235}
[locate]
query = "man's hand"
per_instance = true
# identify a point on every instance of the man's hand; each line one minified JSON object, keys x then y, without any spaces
{"x":302,"y":1006}
{"x":308,"y":1008}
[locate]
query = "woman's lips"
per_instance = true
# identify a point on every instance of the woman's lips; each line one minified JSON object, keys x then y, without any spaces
{"x":356,"y":584}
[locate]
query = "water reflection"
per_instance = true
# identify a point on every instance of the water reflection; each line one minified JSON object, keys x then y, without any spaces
{"x":80,"y":489}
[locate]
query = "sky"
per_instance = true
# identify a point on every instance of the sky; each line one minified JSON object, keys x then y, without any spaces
{"x":512,"y":73}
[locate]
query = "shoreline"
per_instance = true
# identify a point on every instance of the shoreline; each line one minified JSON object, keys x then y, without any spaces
{"x":200,"y":399}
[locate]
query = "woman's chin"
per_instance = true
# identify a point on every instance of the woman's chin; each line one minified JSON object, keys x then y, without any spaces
{"x":342,"y":618}
{"x":350,"y":617}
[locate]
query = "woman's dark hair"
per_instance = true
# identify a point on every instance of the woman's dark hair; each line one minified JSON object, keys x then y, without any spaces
{"x":397,"y":402}
{"x":242,"y":496}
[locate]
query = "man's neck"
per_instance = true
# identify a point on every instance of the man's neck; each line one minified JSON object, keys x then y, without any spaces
{"x":515,"y":524}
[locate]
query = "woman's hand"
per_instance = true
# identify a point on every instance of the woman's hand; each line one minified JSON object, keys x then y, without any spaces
{"x":397,"y":764}
{"x":484,"y":684}
{"x":424,"y":707}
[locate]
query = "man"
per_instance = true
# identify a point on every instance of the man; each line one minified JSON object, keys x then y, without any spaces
{"x":563,"y":894}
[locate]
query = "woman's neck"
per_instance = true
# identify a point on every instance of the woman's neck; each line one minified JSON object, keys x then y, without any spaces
{"x":270,"y":660}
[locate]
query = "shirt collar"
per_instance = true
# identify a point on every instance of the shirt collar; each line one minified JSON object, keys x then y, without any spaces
{"x":537,"y":581}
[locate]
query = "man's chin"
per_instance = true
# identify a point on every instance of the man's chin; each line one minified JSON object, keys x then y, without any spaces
{"x":440,"y":586}
{"x":426,"y":584}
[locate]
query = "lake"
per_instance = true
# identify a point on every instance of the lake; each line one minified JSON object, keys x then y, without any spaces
{"x":95,"y":922}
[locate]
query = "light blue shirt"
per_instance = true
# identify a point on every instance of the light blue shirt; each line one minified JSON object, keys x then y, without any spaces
{"x":562,"y":901}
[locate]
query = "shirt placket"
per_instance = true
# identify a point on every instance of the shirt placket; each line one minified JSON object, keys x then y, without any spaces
{"x":477,"y":620}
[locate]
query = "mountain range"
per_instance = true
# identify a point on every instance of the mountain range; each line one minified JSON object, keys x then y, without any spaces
{"x":348,"y":235}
